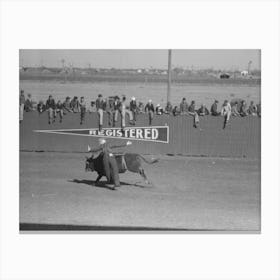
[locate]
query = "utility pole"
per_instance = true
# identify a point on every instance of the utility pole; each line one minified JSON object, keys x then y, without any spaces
{"x":169,"y":75}
{"x":249,"y":66}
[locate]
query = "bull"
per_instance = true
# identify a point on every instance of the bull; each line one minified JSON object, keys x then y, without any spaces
{"x":127,"y":161}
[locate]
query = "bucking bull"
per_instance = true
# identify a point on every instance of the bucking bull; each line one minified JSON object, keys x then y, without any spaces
{"x":126,"y":161}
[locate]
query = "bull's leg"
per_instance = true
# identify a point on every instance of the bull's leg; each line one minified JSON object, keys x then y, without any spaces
{"x":142,"y":173}
{"x":98,"y":178}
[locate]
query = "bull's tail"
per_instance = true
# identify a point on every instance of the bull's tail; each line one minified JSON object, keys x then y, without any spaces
{"x":149,"y":161}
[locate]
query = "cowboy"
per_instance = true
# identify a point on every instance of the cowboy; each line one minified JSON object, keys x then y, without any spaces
{"x":109,"y":160}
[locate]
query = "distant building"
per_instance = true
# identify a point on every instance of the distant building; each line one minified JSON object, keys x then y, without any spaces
{"x":224,"y":76}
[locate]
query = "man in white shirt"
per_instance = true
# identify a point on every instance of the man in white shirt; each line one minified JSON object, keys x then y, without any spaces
{"x":226,"y":112}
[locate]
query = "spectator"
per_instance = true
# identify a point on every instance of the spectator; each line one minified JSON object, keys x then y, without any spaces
{"x":159,"y":110}
{"x":176,"y":111}
{"x":75,"y":105}
{"x":193,"y":113}
{"x":41,"y":107}
{"x":82,"y":105}
{"x":259,"y":110}
{"x":234,"y":109}
{"x":252,"y":110}
{"x":203,"y":111}
{"x":141,"y":108}
{"x":124,"y":111}
{"x":67,"y":106}
{"x":168,"y":108}
{"x":243,"y":109}
{"x":109,"y":109}
{"x":100,"y":110}
{"x":28,"y":103}
{"x":149,"y":108}
{"x":133,"y":108}
{"x":184,"y":107}
{"x":21,"y":105}
{"x":59,"y":110}
{"x":92,"y":107}
{"x":116,"y":109}
{"x":214,"y":108}
{"x":226,"y":112}
{"x":50,"y":106}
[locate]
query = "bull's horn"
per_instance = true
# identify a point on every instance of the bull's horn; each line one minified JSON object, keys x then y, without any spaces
{"x":88,"y":148}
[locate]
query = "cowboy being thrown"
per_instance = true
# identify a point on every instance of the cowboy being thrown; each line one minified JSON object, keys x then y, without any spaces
{"x":109,"y":160}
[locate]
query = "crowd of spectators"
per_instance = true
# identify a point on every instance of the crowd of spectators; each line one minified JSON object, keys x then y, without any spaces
{"x":114,"y":106}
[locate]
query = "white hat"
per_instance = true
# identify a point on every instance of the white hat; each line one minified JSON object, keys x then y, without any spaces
{"x":150,"y":101}
{"x":101,"y":141}
{"x":133,"y":98}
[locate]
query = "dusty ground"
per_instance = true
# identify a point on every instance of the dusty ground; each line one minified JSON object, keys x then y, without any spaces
{"x":187,"y":193}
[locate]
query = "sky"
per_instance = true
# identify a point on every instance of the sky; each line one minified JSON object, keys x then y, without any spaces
{"x":198,"y":59}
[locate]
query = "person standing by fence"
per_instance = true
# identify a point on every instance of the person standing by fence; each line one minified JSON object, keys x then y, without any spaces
{"x":149,"y":108}
{"x":21,"y":105}
{"x":133,"y":108}
{"x":82,"y":105}
{"x":116,"y":109}
{"x":50,"y":107}
{"x":59,"y":110}
{"x":226,"y":112}
{"x":109,"y":110}
{"x":125,"y":111}
{"x":99,"y":107}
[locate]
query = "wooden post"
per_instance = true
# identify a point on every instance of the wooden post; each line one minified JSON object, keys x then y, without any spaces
{"x":169,"y":76}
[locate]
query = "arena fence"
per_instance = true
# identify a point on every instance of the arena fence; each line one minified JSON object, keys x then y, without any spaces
{"x":242,"y":137}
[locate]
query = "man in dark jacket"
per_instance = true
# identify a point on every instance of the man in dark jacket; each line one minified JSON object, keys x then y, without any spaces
{"x":214,"y":108}
{"x":100,"y":110}
{"x":133,"y":108}
{"x":149,"y":108}
{"x":203,"y":111}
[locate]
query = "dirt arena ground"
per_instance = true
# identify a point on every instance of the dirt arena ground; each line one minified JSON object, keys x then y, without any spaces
{"x":187,"y":193}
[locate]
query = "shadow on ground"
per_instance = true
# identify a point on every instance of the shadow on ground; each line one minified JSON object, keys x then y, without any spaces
{"x":102,"y":184}
{"x":57,"y":227}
